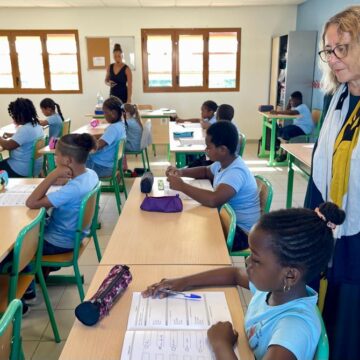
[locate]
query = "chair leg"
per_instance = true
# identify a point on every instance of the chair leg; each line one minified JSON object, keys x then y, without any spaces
{"x":79,"y":281}
{"x":123,"y":181}
{"x":117,"y":195}
{"x":168,"y":151}
{"x":48,"y":305}
{"x":154,"y":149}
{"x":143,"y":160}
{"x":97,"y":246}
{"x":147,"y":159}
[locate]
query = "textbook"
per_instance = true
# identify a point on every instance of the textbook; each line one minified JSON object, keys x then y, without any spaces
{"x":173,"y":328}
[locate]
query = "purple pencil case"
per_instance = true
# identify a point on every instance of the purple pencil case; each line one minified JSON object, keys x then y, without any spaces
{"x":165,"y":204}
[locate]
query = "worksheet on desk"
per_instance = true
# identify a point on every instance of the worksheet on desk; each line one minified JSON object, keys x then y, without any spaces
{"x":172,"y":328}
{"x":199,"y":183}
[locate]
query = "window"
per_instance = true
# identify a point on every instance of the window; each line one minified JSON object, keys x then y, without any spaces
{"x":39,"y":61}
{"x":180,"y":60}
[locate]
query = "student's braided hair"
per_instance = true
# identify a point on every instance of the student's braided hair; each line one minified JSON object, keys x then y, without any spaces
{"x":301,"y":238}
{"x":23,"y":111}
{"x":113,"y":103}
{"x":50,"y":103}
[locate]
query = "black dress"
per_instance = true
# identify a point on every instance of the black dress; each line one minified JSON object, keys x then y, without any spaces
{"x":120,"y":89}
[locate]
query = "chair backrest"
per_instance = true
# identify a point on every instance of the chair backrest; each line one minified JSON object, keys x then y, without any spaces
{"x":146,"y":137}
{"x":242,"y":143}
{"x":265,"y":192}
{"x":315,"y":114}
{"x":144,"y":107}
{"x":228,"y":223}
{"x":322,"y":350}
{"x":10,"y":326}
{"x":38,"y":144}
{"x":66,"y":127}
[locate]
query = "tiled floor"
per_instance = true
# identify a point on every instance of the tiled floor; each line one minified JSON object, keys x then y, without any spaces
{"x":36,"y":331}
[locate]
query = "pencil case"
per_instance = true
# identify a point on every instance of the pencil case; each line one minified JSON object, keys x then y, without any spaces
{"x":146,"y":182}
{"x":52,"y":142}
{"x":165,"y":204}
{"x":114,"y":285}
{"x":265,"y":108}
{"x":184,"y":134}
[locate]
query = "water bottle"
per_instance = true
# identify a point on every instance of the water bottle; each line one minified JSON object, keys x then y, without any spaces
{"x":4,"y":179}
{"x":99,"y":104}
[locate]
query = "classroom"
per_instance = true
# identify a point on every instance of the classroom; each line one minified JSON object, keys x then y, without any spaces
{"x":206,"y":102}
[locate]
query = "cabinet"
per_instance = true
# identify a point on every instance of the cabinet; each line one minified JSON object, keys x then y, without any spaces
{"x":292,"y":67}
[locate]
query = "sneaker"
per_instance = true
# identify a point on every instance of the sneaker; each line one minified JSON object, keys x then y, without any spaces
{"x":25,"y":309}
{"x":30,"y":296}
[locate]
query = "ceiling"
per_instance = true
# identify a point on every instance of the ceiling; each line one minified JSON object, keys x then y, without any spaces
{"x":142,"y":3}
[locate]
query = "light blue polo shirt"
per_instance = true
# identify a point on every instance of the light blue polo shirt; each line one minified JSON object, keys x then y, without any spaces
{"x":20,"y":158}
{"x":60,"y":228}
{"x":294,"y":325}
{"x":212,"y":120}
{"x":55,"y":125}
{"x":113,"y":134}
{"x":304,"y":122}
{"x":245,"y":202}
{"x":133,"y":135}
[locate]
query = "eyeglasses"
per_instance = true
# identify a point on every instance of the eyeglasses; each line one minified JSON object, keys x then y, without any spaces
{"x":340,"y":51}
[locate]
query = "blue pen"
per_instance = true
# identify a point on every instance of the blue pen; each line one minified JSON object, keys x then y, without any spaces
{"x":185,"y":295}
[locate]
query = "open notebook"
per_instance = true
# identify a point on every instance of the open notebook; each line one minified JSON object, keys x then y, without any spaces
{"x":172,"y":328}
{"x":17,"y":195}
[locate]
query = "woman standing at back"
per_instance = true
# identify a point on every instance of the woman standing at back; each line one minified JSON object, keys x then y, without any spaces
{"x":119,"y":77}
{"x":335,"y":177}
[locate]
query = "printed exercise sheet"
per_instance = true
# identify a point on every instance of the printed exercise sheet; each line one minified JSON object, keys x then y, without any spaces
{"x":172,"y":328}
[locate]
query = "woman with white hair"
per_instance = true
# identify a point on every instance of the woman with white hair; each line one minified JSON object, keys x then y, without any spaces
{"x":336,"y":177}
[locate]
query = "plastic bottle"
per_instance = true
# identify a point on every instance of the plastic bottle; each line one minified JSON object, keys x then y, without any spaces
{"x":99,"y":104}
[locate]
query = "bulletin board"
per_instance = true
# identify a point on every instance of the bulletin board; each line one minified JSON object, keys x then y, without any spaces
{"x":99,"y":51}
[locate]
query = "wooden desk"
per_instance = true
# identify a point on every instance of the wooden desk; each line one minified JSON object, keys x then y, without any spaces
{"x":94,"y":131}
{"x":300,"y":157}
{"x":104,"y":341}
{"x":180,"y":149}
{"x":159,"y":124}
{"x":269,"y":121}
{"x":13,"y":219}
{"x":193,"y":236}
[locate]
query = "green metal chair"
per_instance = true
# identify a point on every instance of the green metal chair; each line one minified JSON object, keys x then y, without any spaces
{"x":87,"y":223}
{"x":65,"y":127}
{"x":10,"y":326}
{"x":28,"y":249}
{"x":242,"y":142}
{"x":114,"y":185}
{"x":144,"y":155}
{"x":228,"y":223}
{"x":265,"y":192}
{"x":38,"y":144}
{"x":322,"y":351}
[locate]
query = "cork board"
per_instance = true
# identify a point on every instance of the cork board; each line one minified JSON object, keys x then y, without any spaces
{"x":99,"y":51}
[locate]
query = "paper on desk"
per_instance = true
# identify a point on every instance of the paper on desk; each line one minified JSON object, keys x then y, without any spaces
{"x":173,"y":328}
{"x":201,"y":184}
{"x":17,"y":195}
{"x":191,"y":141}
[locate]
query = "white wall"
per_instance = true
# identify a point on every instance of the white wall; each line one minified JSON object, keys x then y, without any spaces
{"x":258,"y":25}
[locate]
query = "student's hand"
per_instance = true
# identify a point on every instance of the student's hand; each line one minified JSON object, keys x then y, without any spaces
{"x":112,"y":83}
{"x":62,"y":172}
{"x":7,"y":135}
{"x":154,"y":290}
{"x":175,"y":182}
{"x":222,"y":335}
{"x":178,"y":120}
{"x":172,"y":170}
{"x":204,"y":124}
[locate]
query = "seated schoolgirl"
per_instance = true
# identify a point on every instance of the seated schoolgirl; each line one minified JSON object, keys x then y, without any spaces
{"x":208,"y":115}
{"x":288,"y":249}
{"x":54,"y":117}
{"x":20,"y":144}
{"x":102,"y":161}
{"x":232,"y":180}
{"x":134,"y":128}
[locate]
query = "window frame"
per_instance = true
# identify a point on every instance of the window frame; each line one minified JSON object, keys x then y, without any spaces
{"x":11,"y":34}
{"x":174,"y":33}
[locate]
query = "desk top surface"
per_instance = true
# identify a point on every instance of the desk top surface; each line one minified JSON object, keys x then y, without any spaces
{"x":193,"y":236}
{"x":270,"y":116}
{"x":302,"y":152}
{"x":196,"y":143}
{"x":14,"y":218}
{"x":104,"y":341}
{"x":157,"y":113}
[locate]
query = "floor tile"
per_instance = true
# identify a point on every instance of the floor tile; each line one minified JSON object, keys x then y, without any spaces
{"x":48,"y":350}
{"x":29,"y":348}
{"x":64,"y":320}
